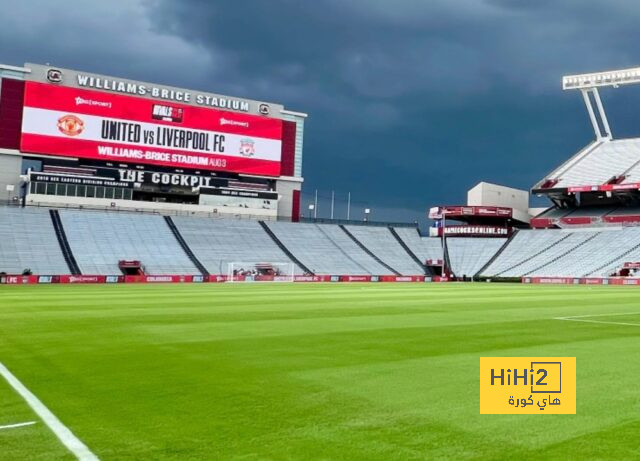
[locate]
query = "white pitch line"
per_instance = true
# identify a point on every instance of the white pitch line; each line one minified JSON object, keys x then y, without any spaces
{"x":598,"y":321}
{"x":68,"y":439}
{"x":12,"y":426}
{"x":595,"y":315}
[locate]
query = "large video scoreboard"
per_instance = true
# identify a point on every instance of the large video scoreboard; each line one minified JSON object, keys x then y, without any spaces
{"x":94,"y":140}
{"x":99,"y":125}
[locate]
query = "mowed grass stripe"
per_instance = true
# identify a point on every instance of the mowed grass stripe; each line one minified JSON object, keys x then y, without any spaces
{"x":289,"y":289}
{"x":324,"y":371}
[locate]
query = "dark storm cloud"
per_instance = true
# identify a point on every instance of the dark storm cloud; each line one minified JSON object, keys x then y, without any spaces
{"x":114,"y":38}
{"x":411,"y":102}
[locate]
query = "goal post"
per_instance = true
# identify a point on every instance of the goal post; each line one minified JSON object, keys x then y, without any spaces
{"x":260,"y":271}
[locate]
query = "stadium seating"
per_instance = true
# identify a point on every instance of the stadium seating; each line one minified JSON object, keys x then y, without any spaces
{"x":562,"y":249}
{"x":589,"y":256}
{"x":625,"y":211}
{"x":590,"y":212}
{"x":423,"y":247}
{"x":346,"y":245}
{"x":219,"y":242}
{"x":99,"y":240}
{"x":29,"y":242}
{"x":524,"y":246}
{"x":599,"y":163}
{"x":468,"y":255}
{"x":561,"y":253}
{"x":554,"y":213}
{"x":381,"y":242}
{"x":326,"y":249}
{"x":616,"y":251}
{"x":588,"y":216}
{"x":632,"y":175}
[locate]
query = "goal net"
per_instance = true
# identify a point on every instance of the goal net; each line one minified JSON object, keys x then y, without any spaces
{"x":261,"y":271}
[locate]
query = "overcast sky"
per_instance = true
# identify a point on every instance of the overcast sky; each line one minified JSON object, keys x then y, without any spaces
{"x":410,"y":102}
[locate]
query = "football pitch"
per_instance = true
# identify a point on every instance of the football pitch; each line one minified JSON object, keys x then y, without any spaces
{"x":312,"y":371}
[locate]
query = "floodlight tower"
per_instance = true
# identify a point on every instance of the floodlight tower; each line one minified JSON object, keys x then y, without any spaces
{"x":588,"y":84}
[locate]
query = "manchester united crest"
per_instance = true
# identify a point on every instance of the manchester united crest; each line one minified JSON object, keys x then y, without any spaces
{"x":70,"y":125}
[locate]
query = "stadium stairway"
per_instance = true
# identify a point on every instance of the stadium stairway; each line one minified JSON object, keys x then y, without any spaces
{"x":380,"y":241}
{"x":409,"y":252}
{"x":28,"y":242}
{"x":498,"y":253}
{"x":74,"y":269}
{"x":468,"y":254}
{"x":221,"y":243}
{"x":423,"y":247}
{"x":176,"y":233}
{"x":366,"y":250}
{"x":282,"y":246}
{"x":545,"y":249}
{"x":445,"y":257}
{"x":611,"y":262}
{"x":100,"y":239}
{"x":326,"y":249}
{"x":562,"y":255}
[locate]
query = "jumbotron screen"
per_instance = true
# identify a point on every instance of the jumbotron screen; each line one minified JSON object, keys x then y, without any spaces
{"x":72,"y":122}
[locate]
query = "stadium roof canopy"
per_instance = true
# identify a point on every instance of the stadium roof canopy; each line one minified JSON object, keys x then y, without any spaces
{"x":606,"y":165}
{"x":602,"y":165}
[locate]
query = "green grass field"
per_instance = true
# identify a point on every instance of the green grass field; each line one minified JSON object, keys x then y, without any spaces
{"x":312,"y":371}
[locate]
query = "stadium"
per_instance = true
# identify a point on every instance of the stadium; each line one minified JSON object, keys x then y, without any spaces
{"x":132,"y":209}
{"x":95,"y":165}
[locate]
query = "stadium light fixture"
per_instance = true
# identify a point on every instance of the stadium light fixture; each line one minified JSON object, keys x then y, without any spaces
{"x":612,"y":78}
{"x":588,"y":85}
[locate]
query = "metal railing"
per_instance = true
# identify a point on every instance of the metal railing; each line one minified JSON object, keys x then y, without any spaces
{"x":159,"y":212}
{"x":355,"y":222}
{"x":204,"y":214}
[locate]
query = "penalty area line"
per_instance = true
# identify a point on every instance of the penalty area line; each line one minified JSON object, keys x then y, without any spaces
{"x":13,"y":426}
{"x":586,"y":318}
{"x":569,"y":317}
{"x":62,"y":432}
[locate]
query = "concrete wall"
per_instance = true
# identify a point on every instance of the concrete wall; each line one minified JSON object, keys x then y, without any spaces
{"x":149,"y":207}
{"x":285,"y":189}
{"x":9,"y":175}
{"x":487,"y":194}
